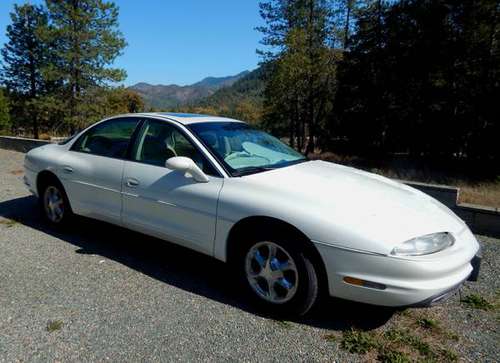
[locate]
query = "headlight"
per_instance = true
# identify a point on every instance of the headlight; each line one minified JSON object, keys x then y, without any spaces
{"x":424,"y":245}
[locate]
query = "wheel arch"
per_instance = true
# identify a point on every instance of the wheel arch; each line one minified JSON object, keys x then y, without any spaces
{"x":43,"y":178}
{"x":251,"y":224}
{"x":46,"y":176}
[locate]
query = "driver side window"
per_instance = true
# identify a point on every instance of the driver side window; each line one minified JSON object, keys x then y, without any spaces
{"x":159,"y":141}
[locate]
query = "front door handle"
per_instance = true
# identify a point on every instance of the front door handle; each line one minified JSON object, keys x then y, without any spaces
{"x":132,"y":183}
{"x":67,"y":169}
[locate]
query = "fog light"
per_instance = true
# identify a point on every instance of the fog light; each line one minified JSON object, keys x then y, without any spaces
{"x":364,"y":283}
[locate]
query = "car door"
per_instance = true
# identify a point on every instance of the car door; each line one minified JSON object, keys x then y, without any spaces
{"x":167,"y":203}
{"x":92,"y":170}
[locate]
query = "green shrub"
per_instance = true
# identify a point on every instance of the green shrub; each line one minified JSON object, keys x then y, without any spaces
{"x":355,"y":341}
{"x":393,"y":356}
{"x":477,"y":302}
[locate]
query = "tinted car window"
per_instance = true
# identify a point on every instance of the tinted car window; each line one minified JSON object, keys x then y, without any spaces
{"x":110,"y":138}
{"x":159,"y":141}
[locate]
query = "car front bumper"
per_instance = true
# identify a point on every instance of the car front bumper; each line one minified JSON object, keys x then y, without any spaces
{"x":395,"y":281}
{"x":29,"y":180}
{"x":444,"y":295}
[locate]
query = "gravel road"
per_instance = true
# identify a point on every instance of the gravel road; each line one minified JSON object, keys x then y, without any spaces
{"x":105,"y":293}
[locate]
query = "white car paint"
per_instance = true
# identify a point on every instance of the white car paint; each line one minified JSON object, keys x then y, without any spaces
{"x":353,"y":218}
{"x":170,"y":205}
{"x":93,"y":184}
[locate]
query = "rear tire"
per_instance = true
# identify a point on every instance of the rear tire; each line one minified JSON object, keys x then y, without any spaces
{"x":54,"y":203}
{"x":278,"y":274}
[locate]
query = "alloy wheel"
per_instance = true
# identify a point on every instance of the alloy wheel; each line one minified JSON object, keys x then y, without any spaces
{"x":53,"y":202}
{"x":271,"y":272}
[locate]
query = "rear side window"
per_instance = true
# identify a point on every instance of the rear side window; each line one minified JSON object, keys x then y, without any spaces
{"x":110,"y":138}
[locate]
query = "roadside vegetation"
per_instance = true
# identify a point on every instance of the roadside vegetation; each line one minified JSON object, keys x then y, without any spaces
{"x":476,"y":301}
{"x":411,"y":339}
{"x":54,"y":325}
{"x":483,"y":193}
{"x":411,"y":336}
{"x":9,"y":223}
{"x":57,"y":68}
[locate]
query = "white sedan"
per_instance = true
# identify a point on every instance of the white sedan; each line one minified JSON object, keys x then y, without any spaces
{"x":291,"y":227}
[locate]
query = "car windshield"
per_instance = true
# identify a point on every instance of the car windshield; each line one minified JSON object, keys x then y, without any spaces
{"x":243,"y":149}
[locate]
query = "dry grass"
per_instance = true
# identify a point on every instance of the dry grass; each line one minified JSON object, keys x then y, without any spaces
{"x":18,"y":172}
{"x":9,"y":223}
{"x":412,"y":336}
{"x":54,"y":325}
{"x":44,"y":136}
{"x":483,"y":193}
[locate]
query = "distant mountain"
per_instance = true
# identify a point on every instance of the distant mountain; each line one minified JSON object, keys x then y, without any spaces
{"x":242,"y":100}
{"x":219,"y":82}
{"x":169,"y":96}
{"x":248,"y":88}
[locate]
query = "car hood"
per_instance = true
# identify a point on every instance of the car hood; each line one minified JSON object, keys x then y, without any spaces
{"x":349,"y":207}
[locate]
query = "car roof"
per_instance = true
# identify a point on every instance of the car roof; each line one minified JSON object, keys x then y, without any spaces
{"x":186,"y":118}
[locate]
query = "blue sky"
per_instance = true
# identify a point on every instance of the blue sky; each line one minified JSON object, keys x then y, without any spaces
{"x":180,"y":41}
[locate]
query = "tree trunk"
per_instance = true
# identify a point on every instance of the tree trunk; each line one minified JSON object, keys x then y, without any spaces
{"x":312,"y":133}
{"x":34,"y":116}
{"x":75,"y":87}
{"x":33,"y":90}
{"x":295,"y":123}
{"x":301,"y":134}
{"x":292,"y":131}
{"x":310,"y":81}
{"x":346,"y":30}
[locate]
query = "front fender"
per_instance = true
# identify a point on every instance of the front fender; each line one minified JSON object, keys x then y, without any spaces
{"x":238,"y":201}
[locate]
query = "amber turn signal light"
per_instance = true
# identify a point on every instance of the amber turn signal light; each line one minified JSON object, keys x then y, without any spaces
{"x":364,"y":283}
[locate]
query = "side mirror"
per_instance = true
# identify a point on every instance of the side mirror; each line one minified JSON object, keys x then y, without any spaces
{"x":188,"y":166}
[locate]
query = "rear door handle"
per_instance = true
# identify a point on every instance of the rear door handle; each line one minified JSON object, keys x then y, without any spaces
{"x":132,"y":183}
{"x":67,"y":169}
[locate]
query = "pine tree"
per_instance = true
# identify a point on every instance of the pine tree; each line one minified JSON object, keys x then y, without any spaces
{"x":87,"y":42}
{"x":422,"y":77}
{"x":25,"y":55}
{"x":345,"y":14}
{"x":4,"y":113}
{"x":296,"y":37}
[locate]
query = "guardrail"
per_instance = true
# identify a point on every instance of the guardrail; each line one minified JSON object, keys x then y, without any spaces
{"x":481,"y":219}
{"x":20,"y":143}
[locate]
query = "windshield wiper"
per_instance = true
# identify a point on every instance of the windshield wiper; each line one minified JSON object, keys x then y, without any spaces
{"x":259,"y":169}
{"x":251,"y":170}
{"x":283,"y":163}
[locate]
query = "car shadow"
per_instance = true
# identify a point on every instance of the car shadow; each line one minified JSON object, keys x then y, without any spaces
{"x":183,"y":268}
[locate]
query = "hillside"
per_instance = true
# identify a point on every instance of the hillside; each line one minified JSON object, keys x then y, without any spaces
{"x":248,"y":88}
{"x":169,"y":96}
{"x":242,"y":100}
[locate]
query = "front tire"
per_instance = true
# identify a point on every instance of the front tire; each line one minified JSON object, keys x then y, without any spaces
{"x":54,"y":204}
{"x":279,"y":275}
